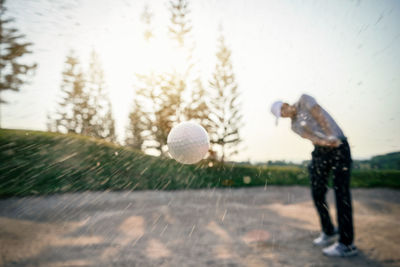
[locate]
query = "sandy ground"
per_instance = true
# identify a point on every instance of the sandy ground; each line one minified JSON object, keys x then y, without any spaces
{"x":271,"y":226}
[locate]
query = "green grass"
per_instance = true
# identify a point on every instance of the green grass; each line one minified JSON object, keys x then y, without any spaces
{"x":43,"y":163}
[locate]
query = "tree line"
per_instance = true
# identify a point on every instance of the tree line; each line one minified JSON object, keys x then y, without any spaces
{"x":161,"y":99}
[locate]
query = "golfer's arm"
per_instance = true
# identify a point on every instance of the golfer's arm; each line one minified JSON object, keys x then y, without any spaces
{"x":315,"y":140}
{"x":316,"y":112}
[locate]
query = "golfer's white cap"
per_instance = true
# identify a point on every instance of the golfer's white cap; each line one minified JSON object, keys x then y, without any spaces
{"x":276,"y":110}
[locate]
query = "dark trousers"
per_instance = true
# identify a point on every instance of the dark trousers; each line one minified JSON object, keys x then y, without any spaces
{"x":338,"y":160}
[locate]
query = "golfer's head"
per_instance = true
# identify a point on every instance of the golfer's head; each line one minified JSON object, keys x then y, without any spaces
{"x":287,"y":110}
{"x":281,"y":109}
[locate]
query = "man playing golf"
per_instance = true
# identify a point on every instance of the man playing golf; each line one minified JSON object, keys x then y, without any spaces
{"x":332,"y":152}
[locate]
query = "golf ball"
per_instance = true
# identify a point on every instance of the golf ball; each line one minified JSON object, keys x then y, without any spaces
{"x":188,"y":142}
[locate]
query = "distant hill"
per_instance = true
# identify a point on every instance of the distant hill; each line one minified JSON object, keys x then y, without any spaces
{"x":385,"y":162}
{"x":390,"y":161}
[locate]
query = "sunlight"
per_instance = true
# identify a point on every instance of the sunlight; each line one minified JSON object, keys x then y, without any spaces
{"x":161,"y":55}
{"x":123,"y":57}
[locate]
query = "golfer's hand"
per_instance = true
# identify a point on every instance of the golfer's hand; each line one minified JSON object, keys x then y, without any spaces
{"x":334,"y":143}
{"x":328,"y":143}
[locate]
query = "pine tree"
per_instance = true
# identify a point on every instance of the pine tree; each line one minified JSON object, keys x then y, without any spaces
{"x":197,"y":108}
{"x":146,"y":18}
{"x":162,"y":94}
{"x":180,"y":23}
{"x":225,"y":117}
{"x":180,"y":31}
{"x":195,"y":102}
{"x":142,"y":116}
{"x":100,"y":120}
{"x":13,"y":73}
{"x":170,"y":109}
{"x":137,"y":126}
{"x":109,"y":133}
{"x":72,"y":114}
{"x":85,"y":108}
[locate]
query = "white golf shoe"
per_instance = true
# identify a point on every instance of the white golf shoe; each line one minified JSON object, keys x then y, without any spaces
{"x":325,"y":240}
{"x":340,"y":250}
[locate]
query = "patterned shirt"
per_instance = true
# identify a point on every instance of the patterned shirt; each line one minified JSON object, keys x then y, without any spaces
{"x":304,"y":122}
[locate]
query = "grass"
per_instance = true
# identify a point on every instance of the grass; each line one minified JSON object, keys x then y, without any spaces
{"x":33,"y":162}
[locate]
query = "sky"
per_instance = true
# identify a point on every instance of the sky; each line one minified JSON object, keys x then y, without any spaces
{"x":346,"y":54}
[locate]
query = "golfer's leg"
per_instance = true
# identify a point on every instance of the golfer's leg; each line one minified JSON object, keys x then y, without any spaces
{"x":319,"y":171}
{"x":343,"y":196}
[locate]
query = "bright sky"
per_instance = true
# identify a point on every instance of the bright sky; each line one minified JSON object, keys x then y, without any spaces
{"x":344,"y":53}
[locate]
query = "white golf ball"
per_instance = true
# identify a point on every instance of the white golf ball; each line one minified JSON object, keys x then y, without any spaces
{"x":188,"y":142}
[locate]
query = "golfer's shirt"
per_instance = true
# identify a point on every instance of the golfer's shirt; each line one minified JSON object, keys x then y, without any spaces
{"x":304,"y":122}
